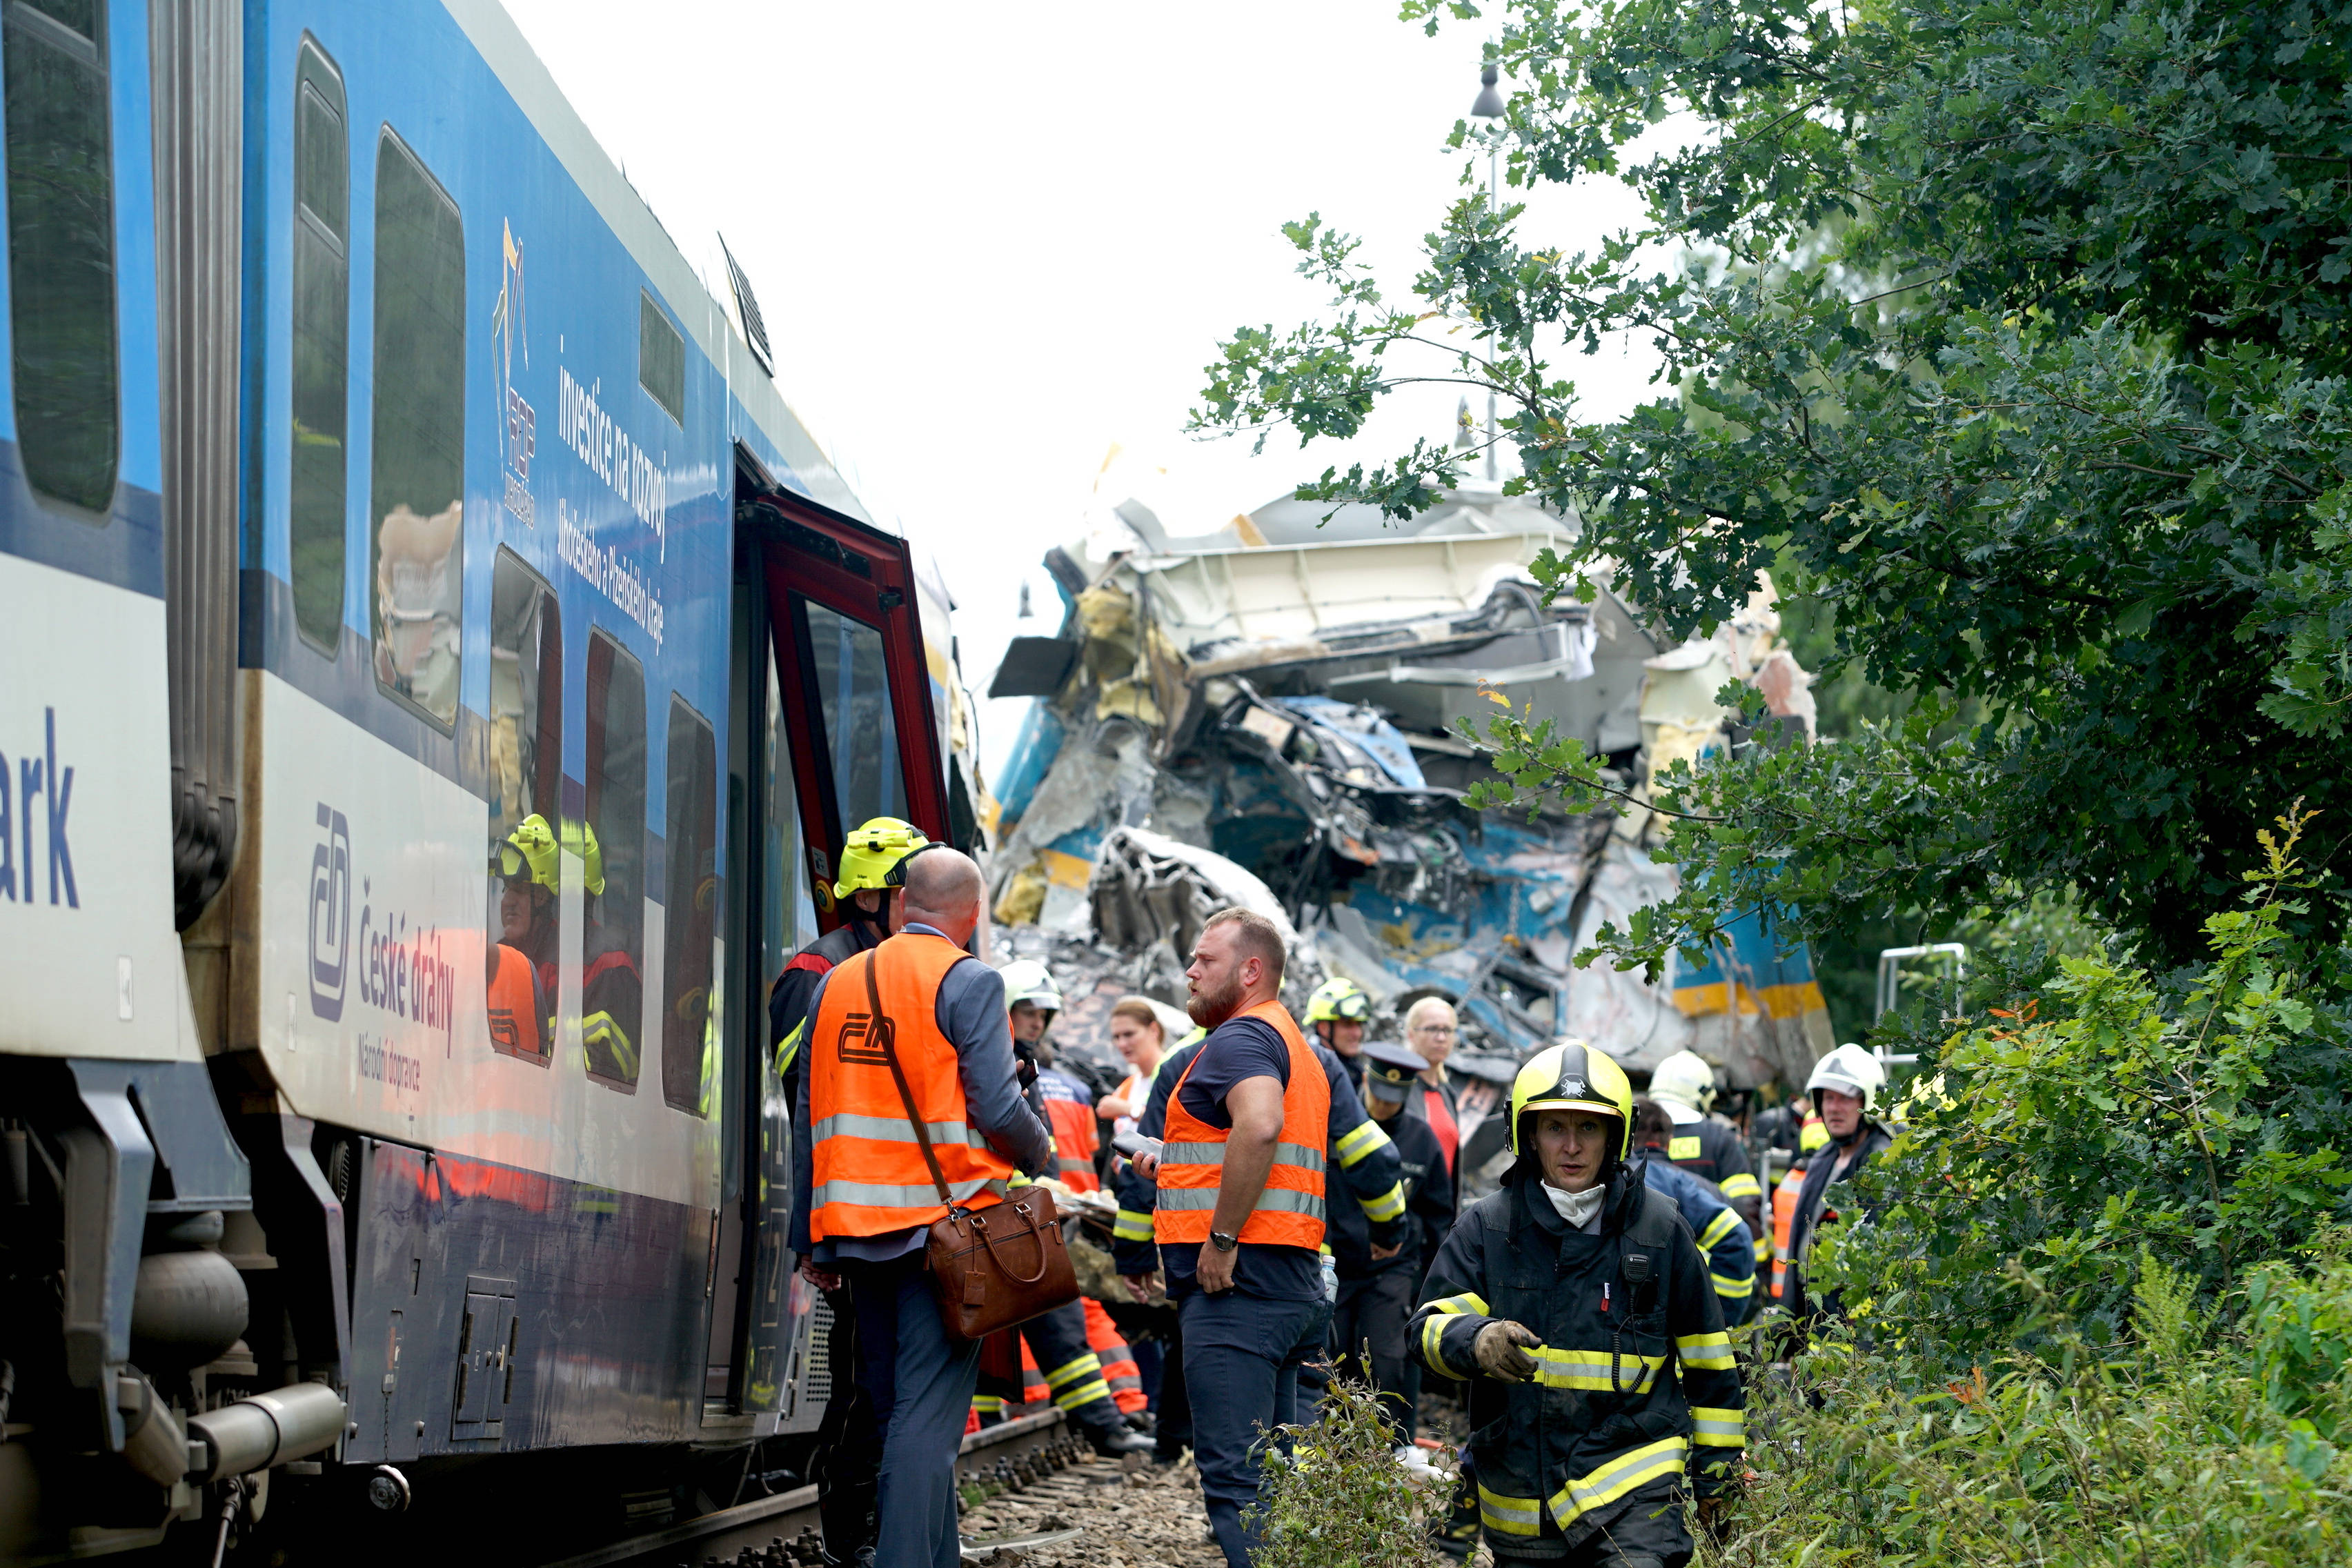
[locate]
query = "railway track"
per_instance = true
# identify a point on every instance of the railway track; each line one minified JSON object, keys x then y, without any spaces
{"x":780,"y":1531}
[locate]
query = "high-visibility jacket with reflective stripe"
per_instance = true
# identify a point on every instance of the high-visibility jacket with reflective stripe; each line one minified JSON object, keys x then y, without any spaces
{"x":1639,"y":1392}
{"x":1369,"y":1166}
{"x":1723,"y":1238}
{"x":1072,"y":1122}
{"x":1713,"y":1150}
{"x":1289,"y":1209}
{"x":517,"y":1014}
{"x":869,"y":1174}
{"x":1785,"y":1198}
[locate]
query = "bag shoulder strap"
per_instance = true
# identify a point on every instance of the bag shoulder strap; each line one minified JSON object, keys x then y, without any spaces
{"x":887,"y":1036}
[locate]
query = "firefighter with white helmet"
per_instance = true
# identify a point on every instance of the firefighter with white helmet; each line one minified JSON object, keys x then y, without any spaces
{"x":1574,"y":1306}
{"x":1705,"y":1146}
{"x":1848,"y":1086}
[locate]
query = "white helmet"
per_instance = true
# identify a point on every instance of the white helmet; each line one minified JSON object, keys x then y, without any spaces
{"x":1686,"y":1079}
{"x":1028,"y":980}
{"x":1850,"y":1070}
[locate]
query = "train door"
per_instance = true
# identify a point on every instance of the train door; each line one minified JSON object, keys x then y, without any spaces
{"x":832,"y":724}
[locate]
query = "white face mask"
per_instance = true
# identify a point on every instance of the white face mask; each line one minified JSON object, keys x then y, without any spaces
{"x":1578,"y":1209}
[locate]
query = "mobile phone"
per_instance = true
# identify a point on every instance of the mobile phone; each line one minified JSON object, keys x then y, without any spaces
{"x":1134,"y":1143}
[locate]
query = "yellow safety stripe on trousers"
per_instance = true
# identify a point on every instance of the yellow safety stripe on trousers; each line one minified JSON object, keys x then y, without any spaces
{"x":1131,"y":1225}
{"x":1362,"y":1140}
{"x":1084,"y":1394}
{"x":1741,"y":1184}
{"x":1388,"y":1206}
{"x":1433,"y":1328}
{"x":988,"y":1404}
{"x":1509,"y":1515}
{"x":1707,"y":1352}
{"x":1615,"y":1479}
{"x":1716,"y":1230}
{"x":1078,"y":1367}
{"x":1763,"y":1250}
{"x":1733,"y":1289}
{"x":1594,"y":1370}
{"x":788,"y":1048}
{"x":1720,"y":1429}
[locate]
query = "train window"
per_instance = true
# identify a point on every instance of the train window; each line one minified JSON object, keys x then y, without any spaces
{"x":613,"y":852}
{"x":690,"y":905}
{"x":526,"y":759}
{"x":61,"y":249}
{"x":661,"y":357}
{"x":861,"y":732}
{"x":322,"y":289}
{"x":416,"y":488}
{"x":788,"y":909}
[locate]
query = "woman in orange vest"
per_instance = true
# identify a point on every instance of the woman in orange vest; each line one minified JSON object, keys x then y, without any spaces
{"x":1239,"y":1213}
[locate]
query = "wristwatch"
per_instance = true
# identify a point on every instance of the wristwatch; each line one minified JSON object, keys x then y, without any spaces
{"x":1222,"y":1242}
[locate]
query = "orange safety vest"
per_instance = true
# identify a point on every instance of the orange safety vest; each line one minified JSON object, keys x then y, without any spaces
{"x":1290,"y":1211}
{"x":1073,"y":1127}
{"x":514,"y":1012}
{"x":1785,"y":1198}
{"x":869,"y":1178}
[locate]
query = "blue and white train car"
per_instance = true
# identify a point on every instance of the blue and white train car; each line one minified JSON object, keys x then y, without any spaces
{"x":375,"y":477}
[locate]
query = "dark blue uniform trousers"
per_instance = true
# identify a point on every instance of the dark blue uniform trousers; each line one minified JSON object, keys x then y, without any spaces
{"x":921,"y":1384}
{"x":1241,"y":1356}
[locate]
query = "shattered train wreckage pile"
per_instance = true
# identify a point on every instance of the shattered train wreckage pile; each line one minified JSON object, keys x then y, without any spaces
{"x":1268,"y":715}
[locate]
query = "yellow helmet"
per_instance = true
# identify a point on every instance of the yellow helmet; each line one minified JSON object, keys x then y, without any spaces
{"x":1337,"y":1000}
{"x":875,"y":852}
{"x":1572,"y":1075}
{"x":532,"y":845}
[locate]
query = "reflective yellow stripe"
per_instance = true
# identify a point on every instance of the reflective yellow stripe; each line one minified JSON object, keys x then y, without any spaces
{"x":1467,"y":1301}
{"x":988,"y":1404}
{"x":1716,"y":1230}
{"x":1707,"y":1352}
{"x":1388,"y":1206}
{"x":1733,"y":1289}
{"x":790,"y":1048}
{"x":1084,"y":1394}
{"x":1131,"y":1225}
{"x":1763,"y":1252}
{"x":1432,"y":1329}
{"x":1354,"y":1145}
{"x":1720,"y":1429}
{"x":1615,"y":1479}
{"x":1593,"y":1370}
{"x":1509,"y":1515}
{"x":1742,"y":1185}
{"x":599,"y":1029}
{"x":1080,"y":1367}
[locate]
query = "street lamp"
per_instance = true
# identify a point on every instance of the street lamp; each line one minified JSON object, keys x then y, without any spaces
{"x":1490,"y":106}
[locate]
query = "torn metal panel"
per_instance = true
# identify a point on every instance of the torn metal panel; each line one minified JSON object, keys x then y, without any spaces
{"x":1268,"y":715}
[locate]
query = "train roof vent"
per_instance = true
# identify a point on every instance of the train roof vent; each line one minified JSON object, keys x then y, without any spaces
{"x":747,"y":310}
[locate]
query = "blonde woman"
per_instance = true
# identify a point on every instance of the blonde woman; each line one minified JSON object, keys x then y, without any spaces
{"x":1139,"y":1036}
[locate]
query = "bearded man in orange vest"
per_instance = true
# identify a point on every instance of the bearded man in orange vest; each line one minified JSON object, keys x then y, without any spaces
{"x":862,"y":1195}
{"x":1238,"y":1214}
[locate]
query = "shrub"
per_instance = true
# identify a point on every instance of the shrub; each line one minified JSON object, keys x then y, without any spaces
{"x":2159,"y":1451}
{"x":1336,"y":1496}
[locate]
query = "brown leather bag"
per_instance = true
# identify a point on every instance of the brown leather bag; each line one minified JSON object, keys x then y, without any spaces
{"x":991,"y":1268}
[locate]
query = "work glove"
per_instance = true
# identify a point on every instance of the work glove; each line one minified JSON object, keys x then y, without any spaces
{"x":1497,"y":1349}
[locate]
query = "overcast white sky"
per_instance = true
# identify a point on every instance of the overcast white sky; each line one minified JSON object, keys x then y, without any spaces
{"x":989,"y":242}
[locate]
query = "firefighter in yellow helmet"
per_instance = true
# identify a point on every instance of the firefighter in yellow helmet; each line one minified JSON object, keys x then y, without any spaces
{"x":1577,"y":1288}
{"x":529,"y":865}
{"x":868,"y":892}
{"x":1337,"y":1011}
